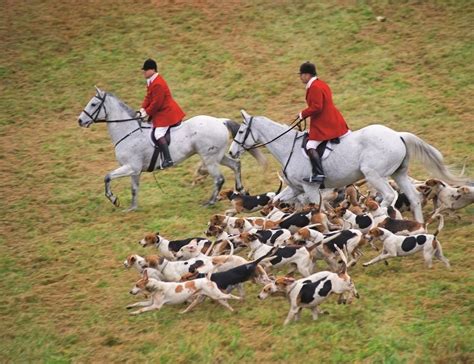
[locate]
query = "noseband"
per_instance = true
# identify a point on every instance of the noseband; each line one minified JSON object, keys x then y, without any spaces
{"x":96,"y":112}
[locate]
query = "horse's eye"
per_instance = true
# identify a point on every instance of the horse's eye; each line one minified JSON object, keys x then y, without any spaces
{"x":93,"y":105}
{"x":241,"y":131}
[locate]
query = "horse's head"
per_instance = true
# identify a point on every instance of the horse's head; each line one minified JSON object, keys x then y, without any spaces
{"x":244,"y":138}
{"x":94,"y":111}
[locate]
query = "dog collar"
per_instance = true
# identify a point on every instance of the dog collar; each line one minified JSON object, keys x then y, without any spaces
{"x":157,"y":244}
{"x":164,"y":266}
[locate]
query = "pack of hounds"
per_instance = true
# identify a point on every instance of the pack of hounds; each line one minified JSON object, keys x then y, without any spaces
{"x":294,"y":238}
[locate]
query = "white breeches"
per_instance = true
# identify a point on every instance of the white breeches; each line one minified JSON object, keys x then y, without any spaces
{"x":159,"y":132}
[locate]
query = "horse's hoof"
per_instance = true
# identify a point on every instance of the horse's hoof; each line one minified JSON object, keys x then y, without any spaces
{"x":209,"y":203}
{"x":116,"y":202}
{"x":130,"y":209}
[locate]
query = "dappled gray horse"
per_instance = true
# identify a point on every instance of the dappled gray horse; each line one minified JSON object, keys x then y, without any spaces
{"x":374,"y":152}
{"x":204,"y":135}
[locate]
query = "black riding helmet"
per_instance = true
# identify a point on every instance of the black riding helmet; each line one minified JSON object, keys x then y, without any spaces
{"x":308,"y":67}
{"x":149,"y":64}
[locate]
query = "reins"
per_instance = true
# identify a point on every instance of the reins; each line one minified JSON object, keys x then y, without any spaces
{"x":293,"y":125}
{"x":249,"y":131}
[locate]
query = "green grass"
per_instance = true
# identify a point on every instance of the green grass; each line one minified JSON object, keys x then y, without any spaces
{"x":62,"y":243}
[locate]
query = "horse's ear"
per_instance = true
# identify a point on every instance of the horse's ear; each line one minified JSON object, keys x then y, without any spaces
{"x":245,"y":115}
{"x":99,"y":92}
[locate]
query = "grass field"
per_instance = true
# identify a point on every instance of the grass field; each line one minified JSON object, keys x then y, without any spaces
{"x":62,"y":243}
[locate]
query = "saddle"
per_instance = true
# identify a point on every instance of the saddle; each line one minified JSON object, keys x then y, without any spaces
{"x":157,"y":152}
{"x":323,"y":149}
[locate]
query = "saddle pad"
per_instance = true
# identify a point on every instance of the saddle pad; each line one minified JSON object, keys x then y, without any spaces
{"x":328,"y":145}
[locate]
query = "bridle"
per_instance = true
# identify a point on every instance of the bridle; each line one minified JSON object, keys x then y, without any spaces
{"x":95,"y":114}
{"x":295,"y":123}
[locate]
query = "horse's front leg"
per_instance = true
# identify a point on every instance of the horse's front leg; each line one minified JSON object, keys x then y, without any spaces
{"x":122,"y":171}
{"x":218,"y":182}
{"x":135,"y":187}
{"x":234,"y":164}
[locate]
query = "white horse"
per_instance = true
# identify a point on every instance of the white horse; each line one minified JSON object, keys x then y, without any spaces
{"x":374,"y":152}
{"x":204,"y":135}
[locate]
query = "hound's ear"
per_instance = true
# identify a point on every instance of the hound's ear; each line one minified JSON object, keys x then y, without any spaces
{"x":133,"y":259}
{"x":245,"y":116}
{"x":157,"y":233}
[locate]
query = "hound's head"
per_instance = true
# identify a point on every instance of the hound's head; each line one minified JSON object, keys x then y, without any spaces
{"x":188,"y":251}
{"x":338,"y":212}
{"x":134,"y":260}
{"x":279,"y":285}
{"x":347,"y":285}
{"x":217,"y":220}
{"x":150,"y":239}
{"x":247,"y":237}
{"x":239,"y":224}
{"x":371,"y":204}
{"x":301,"y":236}
{"x":141,"y":284}
{"x":464,"y":190}
{"x":226,"y":194}
{"x":214,"y":231}
{"x":433,"y":182}
{"x":345,"y":281}
{"x":267,"y":208}
{"x":374,"y":234}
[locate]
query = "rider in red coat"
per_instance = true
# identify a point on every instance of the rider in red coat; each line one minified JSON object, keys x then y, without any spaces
{"x":160,"y":107}
{"x":326,"y":121}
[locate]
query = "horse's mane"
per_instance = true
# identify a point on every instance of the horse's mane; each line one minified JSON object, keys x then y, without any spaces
{"x":123,"y":105}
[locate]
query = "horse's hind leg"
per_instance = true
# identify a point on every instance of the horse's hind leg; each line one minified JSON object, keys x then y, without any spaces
{"x":122,"y":171}
{"x":380,"y":184}
{"x":219,"y":180}
{"x":235,"y":166}
{"x":401,"y":177}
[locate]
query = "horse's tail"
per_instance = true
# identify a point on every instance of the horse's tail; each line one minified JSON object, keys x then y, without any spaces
{"x":430,"y":157}
{"x":234,"y":127}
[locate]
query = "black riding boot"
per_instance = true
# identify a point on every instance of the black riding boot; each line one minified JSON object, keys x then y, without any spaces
{"x":318,"y":174}
{"x":167,"y":161}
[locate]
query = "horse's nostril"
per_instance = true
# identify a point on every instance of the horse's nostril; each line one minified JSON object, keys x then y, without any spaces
{"x":79,"y":121}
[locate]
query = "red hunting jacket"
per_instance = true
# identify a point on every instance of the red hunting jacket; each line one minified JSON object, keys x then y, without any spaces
{"x":160,"y":105}
{"x":326,"y":121}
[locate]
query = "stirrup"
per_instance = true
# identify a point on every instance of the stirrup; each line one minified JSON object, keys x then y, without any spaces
{"x":315,"y":178}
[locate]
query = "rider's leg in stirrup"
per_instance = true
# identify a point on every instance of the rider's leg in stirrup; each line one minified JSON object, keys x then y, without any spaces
{"x":167,"y":161}
{"x":318,"y":174}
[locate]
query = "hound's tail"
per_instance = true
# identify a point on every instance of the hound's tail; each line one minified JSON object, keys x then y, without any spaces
{"x":233,"y":127}
{"x":281,"y":184}
{"x":431,"y":158}
{"x":440,"y":224}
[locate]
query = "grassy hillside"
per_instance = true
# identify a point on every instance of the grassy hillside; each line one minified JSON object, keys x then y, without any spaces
{"x":62,"y":243}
